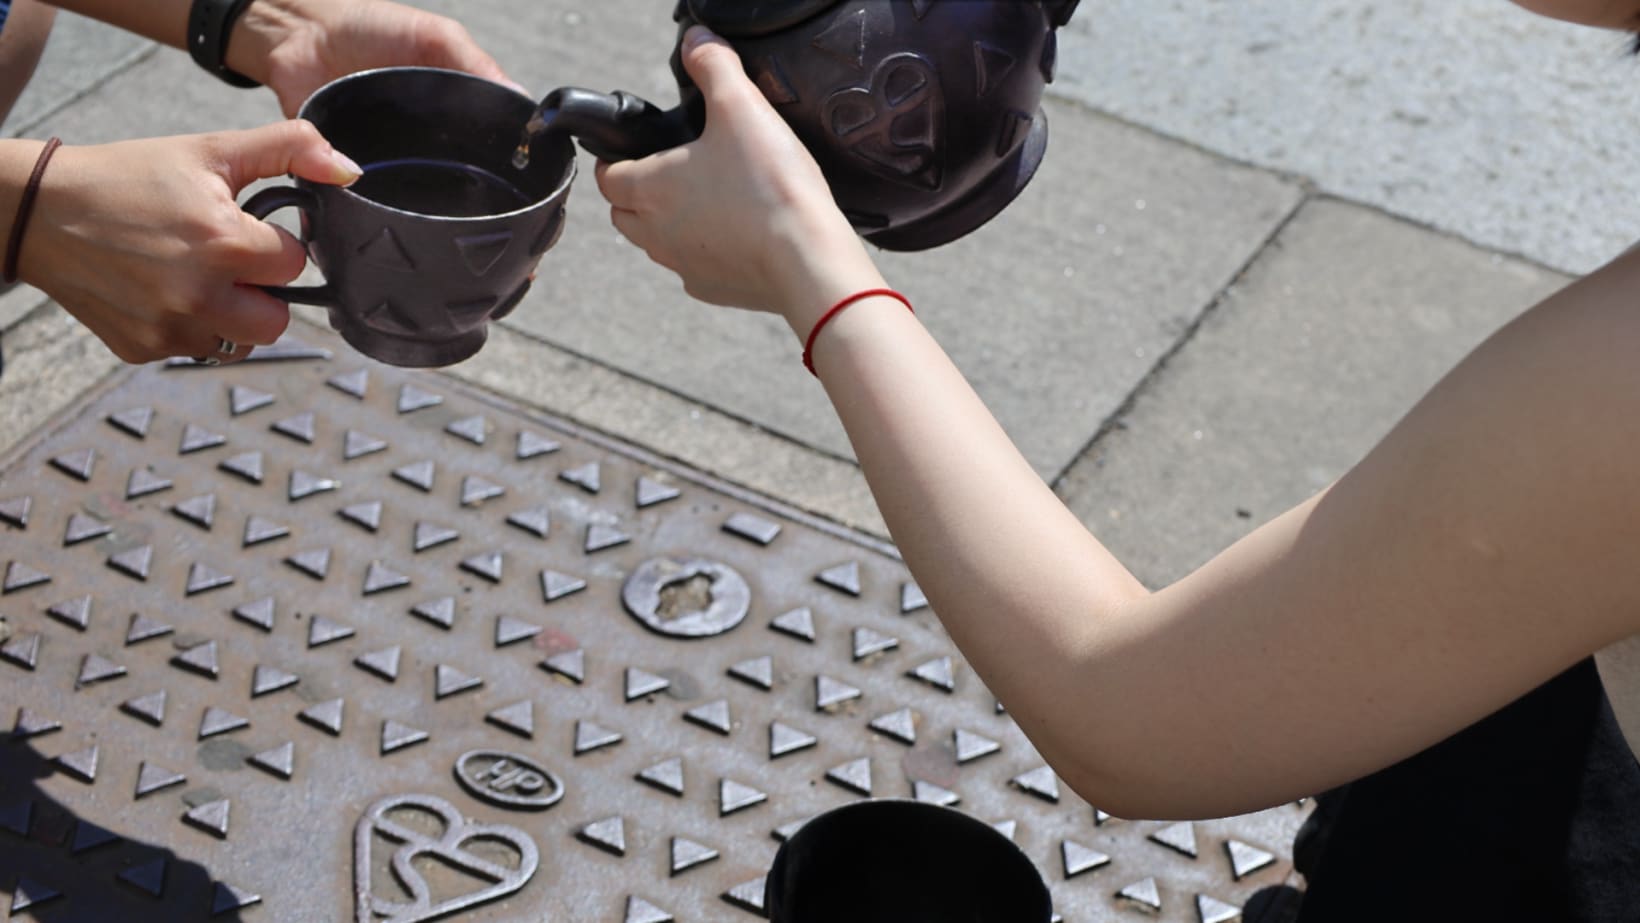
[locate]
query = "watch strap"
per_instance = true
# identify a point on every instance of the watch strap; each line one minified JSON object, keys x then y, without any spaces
{"x":210,"y":23}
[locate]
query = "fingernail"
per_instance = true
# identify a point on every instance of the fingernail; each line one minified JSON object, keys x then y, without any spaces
{"x":346,"y":164}
{"x":697,"y":35}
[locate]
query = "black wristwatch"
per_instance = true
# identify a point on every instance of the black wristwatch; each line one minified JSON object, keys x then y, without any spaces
{"x":210,"y":22}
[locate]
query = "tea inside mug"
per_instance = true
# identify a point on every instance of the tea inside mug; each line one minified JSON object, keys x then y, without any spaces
{"x":441,"y":188}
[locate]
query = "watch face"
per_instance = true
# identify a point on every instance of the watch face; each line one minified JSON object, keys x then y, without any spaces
{"x":741,"y":19}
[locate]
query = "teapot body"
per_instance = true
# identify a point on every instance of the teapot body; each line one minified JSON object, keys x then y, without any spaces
{"x":924,"y":115}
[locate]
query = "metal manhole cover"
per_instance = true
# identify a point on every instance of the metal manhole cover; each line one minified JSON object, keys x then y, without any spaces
{"x":302,"y":640}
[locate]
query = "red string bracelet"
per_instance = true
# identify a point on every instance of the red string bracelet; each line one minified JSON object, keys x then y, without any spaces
{"x":836,"y":309}
{"x":25,"y":208}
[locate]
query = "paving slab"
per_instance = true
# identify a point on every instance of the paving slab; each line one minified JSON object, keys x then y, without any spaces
{"x":82,"y":53}
{"x":1309,"y":359}
{"x":1474,"y":116}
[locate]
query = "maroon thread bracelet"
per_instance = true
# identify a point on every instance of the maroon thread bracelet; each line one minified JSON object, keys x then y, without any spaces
{"x":25,"y":208}
{"x":808,"y":345}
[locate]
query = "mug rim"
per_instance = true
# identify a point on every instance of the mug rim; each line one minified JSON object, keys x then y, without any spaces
{"x":844,"y":813}
{"x":556,"y":195}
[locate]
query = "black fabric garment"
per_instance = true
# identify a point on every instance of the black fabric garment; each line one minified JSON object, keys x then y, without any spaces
{"x":1533,"y":814}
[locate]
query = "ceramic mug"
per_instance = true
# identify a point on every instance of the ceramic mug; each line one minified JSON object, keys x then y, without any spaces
{"x":443,"y":232}
{"x":897,"y":861}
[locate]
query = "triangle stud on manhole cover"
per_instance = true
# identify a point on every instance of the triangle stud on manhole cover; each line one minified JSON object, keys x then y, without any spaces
{"x":1144,"y":893}
{"x":257,"y":612}
{"x":226,"y":898}
{"x":134,"y":421}
{"x":1078,"y":858}
{"x":397,"y":736}
{"x":280,"y":761}
{"x":799,"y":623}
{"x":509,"y":630}
{"x":95,"y":669}
{"x":149,"y":878}
{"x":211,"y":817}
{"x":323,"y":631}
{"x":844,"y":578}
{"x":412,"y":399}
{"x":356,"y":383}
{"x":81,"y":764}
{"x":713,"y":716}
{"x":326,"y":716}
{"x":384,"y":663}
{"x":200,"y":659}
{"x":220,"y":721}
{"x":666,"y":776}
{"x":203,"y":577}
{"x":589,"y":737}
{"x":149,"y":708}
{"x":929,"y":793}
{"x":367,"y":515}
{"x":531,"y":445}
{"x":900,"y":725}
{"x":448,"y":681}
{"x":518,"y":718}
{"x":854,"y":775}
{"x":608,"y":834}
{"x":269,"y":680}
{"x":758,"y":671}
{"x":571,"y":665}
{"x":31,"y":724}
{"x":641,"y":683}
{"x":1040,"y":782}
{"x":650,"y":492}
{"x":1180,"y":838}
{"x":734,"y":796}
{"x":936,"y":673}
{"x":152,"y":778}
{"x":785,"y":739}
{"x":686,"y":854}
{"x":1245,"y":859}
{"x":749,"y":895}
{"x":379,"y":578}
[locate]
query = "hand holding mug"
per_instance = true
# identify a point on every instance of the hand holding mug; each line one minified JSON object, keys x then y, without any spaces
{"x":144,"y":243}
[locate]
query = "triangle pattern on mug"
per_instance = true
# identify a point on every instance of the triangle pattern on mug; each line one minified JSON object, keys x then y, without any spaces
{"x":482,"y":251}
{"x":386,"y":251}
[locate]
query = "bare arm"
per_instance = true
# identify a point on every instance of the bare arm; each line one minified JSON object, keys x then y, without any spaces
{"x":1611,"y":14}
{"x":21,"y":43}
{"x":296,"y":46}
{"x":1487,"y":543}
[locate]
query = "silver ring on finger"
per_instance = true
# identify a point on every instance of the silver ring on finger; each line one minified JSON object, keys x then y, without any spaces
{"x":226,"y":346}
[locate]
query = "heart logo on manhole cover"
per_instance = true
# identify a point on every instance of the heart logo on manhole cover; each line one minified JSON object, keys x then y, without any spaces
{"x":420,"y":827}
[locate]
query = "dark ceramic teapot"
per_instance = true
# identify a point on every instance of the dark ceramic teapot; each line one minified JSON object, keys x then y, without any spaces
{"x":923,"y":114}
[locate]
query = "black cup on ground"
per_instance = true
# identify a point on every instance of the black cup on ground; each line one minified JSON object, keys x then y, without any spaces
{"x":893,"y":861}
{"x":443,"y":232}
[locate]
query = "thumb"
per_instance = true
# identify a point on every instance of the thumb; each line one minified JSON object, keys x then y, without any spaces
{"x":293,"y":147}
{"x":715,"y":67}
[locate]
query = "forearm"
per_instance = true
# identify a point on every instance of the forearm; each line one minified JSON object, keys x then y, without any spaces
{"x":1027,"y":593}
{"x":17,"y":159}
{"x":24,"y":38}
{"x":258,"y":30}
{"x":1611,"y":14}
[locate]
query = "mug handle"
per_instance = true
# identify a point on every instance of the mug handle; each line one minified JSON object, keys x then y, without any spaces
{"x":267,"y":202}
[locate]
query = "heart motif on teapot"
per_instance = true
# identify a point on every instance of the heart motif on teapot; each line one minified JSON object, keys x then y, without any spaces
{"x":897,"y":123}
{"x":387,"y":820}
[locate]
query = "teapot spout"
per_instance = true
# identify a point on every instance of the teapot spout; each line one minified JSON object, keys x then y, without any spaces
{"x":611,"y":126}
